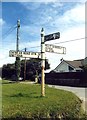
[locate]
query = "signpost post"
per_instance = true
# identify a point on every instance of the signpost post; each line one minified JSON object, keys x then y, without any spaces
{"x":43,"y":63}
{"x":43,"y":49}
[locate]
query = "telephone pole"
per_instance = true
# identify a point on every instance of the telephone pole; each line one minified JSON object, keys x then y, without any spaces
{"x":17,"y":63}
{"x":43,"y":63}
{"x":18,"y":27}
{"x":25,"y":67}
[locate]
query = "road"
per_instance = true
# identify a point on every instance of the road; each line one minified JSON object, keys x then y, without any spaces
{"x":79,"y":91}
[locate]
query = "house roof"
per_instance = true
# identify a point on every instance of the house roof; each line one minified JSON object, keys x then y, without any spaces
{"x":75,"y":63}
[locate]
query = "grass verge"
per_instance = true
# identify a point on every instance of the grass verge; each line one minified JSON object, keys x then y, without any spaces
{"x":24,"y":101}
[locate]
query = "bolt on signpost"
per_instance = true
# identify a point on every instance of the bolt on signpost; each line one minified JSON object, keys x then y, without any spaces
{"x":43,"y":63}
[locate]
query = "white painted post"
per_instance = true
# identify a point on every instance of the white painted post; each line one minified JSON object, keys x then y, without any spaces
{"x":43,"y":63}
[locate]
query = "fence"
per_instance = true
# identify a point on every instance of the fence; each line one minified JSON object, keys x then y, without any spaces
{"x":66,"y":78}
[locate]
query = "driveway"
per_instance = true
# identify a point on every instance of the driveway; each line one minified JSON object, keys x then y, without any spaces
{"x":79,"y":91}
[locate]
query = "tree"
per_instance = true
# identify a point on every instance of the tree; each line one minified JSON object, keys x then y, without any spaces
{"x":33,"y":68}
{"x":8,"y":70}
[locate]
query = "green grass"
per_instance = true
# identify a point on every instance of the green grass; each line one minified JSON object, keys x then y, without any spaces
{"x":24,"y":101}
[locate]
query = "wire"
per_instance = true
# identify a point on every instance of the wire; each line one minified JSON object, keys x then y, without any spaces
{"x":63,"y":42}
{"x":34,"y":47}
{"x":8,"y":32}
{"x":31,"y":47}
{"x":70,"y":40}
{"x":54,"y":43}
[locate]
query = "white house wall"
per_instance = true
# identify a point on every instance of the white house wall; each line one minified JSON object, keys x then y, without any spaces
{"x":63,"y":67}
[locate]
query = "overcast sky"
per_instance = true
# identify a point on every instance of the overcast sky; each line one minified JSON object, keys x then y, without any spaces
{"x":68,"y":18}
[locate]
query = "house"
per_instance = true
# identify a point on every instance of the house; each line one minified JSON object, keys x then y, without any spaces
{"x":69,"y":66}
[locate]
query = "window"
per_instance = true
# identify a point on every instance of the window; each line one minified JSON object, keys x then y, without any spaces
{"x":70,"y":68}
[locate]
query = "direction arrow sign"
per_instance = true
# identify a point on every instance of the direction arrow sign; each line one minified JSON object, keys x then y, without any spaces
{"x":52,"y":36}
{"x":55,"y":49}
{"x":13,"y":53}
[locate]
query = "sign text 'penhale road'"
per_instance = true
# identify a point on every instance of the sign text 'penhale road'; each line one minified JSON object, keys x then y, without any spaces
{"x":55,"y":49}
{"x":13,"y":53}
{"x":52,"y":36}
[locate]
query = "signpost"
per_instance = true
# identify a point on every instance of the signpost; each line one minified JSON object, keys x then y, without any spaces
{"x":13,"y":53}
{"x":55,"y":49}
{"x":44,"y":48}
{"x":52,"y":36}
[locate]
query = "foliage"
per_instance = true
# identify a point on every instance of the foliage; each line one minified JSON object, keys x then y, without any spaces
{"x":8,"y":70}
{"x":24,"y":101}
{"x":33,"y":67}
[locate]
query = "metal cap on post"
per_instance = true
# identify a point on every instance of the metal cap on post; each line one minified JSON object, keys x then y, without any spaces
{"x":43,"y":63}
{"x":18,"y":23}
